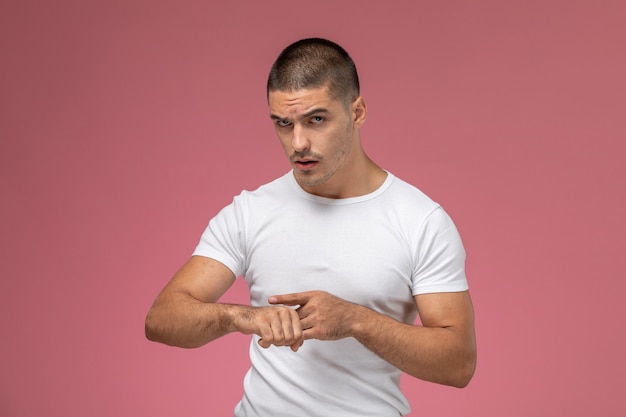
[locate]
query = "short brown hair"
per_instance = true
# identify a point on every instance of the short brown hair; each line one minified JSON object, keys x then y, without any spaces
{"x":314,"y":63}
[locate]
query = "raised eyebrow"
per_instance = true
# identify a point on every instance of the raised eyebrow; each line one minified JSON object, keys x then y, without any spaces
{"x":314,"y":112}
{"x":304,"y":116}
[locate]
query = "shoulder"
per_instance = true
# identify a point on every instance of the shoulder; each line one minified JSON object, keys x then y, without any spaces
{"x":275,"y":189}
{"x":416,"y":213}
{"x":406,"y":197}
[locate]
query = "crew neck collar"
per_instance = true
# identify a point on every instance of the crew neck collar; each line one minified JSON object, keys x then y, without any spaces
{"x":340,"y":201}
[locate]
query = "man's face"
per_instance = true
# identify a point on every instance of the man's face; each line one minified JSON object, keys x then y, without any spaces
{"x":318,"y":133}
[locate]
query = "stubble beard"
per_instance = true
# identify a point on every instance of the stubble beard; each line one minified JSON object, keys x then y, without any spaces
{"x":313,"y":179}
{"x":309,"y":178}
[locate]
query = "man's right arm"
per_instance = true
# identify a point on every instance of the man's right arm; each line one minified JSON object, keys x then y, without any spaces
{"x":186,"y":312}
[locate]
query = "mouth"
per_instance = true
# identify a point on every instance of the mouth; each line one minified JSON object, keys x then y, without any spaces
{"x":305,"y":165}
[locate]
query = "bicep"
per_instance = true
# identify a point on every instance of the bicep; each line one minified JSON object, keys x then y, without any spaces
{"x":449,"y":319}
{"x":446,"y":310}
{"x":202,"y":278}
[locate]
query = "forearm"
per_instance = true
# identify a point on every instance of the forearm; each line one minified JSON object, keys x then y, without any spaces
{"x":180,"y":320}
{"x":445,"y":355}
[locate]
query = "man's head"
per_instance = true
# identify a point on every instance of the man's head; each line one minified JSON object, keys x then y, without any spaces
{"x":314,"y":102}
{"x":315,"y":63}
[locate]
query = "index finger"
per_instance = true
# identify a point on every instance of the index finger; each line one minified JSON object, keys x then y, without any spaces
{"x":293,"y":299}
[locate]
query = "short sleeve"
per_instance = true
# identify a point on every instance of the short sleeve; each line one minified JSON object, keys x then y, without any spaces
{"x":223,"y":239}
{"x":439,"y":257}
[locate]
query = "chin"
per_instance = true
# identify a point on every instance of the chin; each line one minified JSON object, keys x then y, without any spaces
{"x":306,"y":180}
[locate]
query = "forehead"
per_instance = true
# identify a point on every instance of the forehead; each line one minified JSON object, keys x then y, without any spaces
{"x":291,"y":103}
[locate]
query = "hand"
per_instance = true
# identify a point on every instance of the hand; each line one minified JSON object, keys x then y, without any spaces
{"x":279,"y":326}
{"x":322,"y":315}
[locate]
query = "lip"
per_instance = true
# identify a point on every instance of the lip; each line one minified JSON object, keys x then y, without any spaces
{"x":305,"y":164}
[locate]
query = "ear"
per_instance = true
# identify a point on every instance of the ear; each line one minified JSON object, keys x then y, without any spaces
{"x":359,"y":111}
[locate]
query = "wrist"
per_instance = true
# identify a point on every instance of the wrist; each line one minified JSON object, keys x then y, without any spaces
{"x":361,"y":322}
{"x":236,"y":318}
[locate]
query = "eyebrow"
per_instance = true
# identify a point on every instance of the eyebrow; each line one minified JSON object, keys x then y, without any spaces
{"x":304,"y":116}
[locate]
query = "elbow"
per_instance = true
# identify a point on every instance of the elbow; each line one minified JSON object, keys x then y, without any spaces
{"x":459,"y":378}
{"x":151,"y":328}
{"x":465,"y":371}
{"x":149,"y":332}
{"x":458,"y":371}
{"x":465,"y":364}
{"x":453,"y":372}
{"x":463,"y":379}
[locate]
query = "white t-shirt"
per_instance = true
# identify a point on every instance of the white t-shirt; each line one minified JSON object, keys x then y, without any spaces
{"x":377,"y":250}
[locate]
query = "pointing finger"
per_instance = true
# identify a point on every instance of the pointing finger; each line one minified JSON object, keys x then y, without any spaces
{"x":294,"y":299}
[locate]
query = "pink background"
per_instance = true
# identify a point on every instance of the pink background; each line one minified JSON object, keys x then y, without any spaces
{"x":125,"y":125}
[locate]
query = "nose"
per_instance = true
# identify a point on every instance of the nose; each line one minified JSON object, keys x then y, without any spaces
{"x":299,"y":141}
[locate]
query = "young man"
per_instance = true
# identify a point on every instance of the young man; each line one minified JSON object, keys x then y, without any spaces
{"x":340,"y":257}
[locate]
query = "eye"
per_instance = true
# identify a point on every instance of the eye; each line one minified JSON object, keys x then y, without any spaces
{"x":317,"y":119}
{"x":282,"y":123}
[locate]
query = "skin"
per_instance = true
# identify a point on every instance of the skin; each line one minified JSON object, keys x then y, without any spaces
{"x":321,"y":137}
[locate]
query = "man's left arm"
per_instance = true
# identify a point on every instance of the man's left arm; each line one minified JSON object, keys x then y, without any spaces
{"x":442,"y":349}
